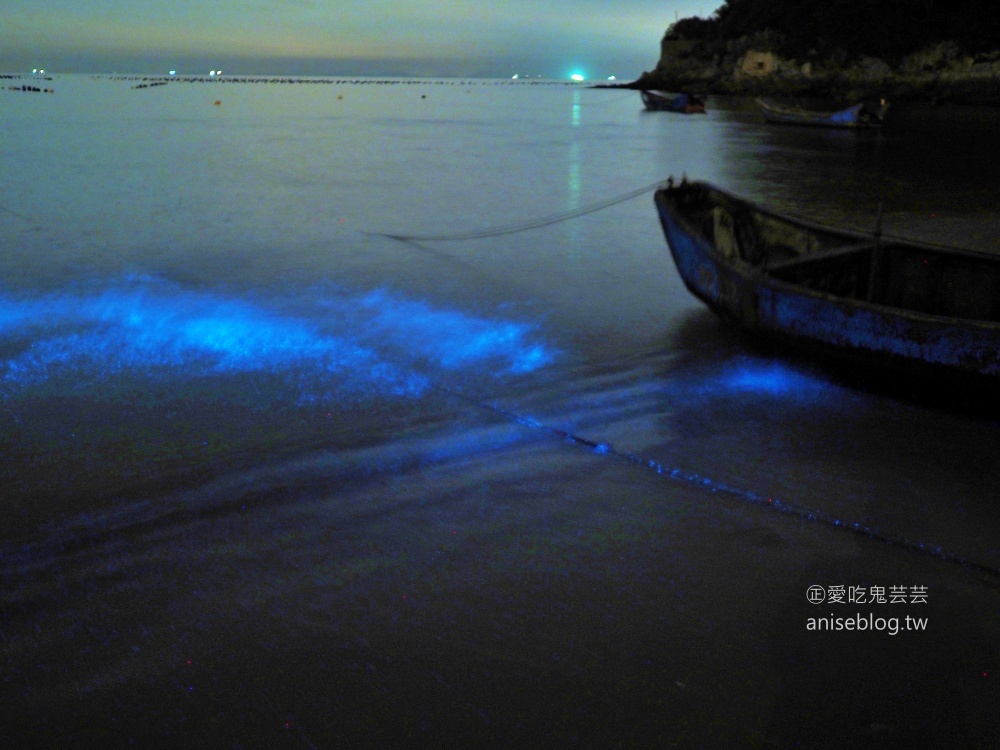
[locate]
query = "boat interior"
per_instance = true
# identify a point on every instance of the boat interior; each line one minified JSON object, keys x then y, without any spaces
{"x":940,"y":282}
{"x":901,"y":276}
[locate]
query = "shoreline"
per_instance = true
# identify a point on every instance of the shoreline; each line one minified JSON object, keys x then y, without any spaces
{"x":938,"y":75}
{"x":903,"y":90}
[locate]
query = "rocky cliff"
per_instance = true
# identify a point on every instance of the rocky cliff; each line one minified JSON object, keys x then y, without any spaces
{"x":938,"y":73}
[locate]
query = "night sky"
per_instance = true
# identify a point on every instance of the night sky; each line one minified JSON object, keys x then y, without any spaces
{"x":550,"y":38}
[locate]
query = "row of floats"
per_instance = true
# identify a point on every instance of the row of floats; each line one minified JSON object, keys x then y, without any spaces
{"x":147,"y":81}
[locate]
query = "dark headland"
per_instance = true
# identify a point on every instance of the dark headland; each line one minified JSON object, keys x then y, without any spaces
{"x":933,"y":51}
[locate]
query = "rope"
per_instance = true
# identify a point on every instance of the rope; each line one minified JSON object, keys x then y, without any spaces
{"x":485,"y":233}
{"x":544,"y":221}
{"x":709,"y":485}
{"x":14,"y":213}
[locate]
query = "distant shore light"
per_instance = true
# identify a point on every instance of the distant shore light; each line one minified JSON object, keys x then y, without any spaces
{"x":577,"y":77}
{"x":611,"y":78}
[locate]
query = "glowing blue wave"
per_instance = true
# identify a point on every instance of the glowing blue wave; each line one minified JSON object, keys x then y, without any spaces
{"x":448,"y":340}
{"x":374,"y":343}
{"x":767,"y":378}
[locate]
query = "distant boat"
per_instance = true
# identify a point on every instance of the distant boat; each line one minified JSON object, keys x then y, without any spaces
{"x":663,"y":102}
{"x":858,"y":116}
{"x":929,"y":309}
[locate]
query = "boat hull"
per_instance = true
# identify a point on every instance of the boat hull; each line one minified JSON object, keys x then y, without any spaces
{"x":759,"y":302}
{"x":682,"y":103}
{"x":858,"y":116}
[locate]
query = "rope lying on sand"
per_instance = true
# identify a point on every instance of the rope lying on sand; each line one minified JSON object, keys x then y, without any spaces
{"x":714,"y":487}
{"x":522,"y":226}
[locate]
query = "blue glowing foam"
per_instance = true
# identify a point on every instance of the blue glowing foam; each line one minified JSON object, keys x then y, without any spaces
{"x":375,"y":342}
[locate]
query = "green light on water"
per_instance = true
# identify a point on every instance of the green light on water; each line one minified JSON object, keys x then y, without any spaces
{"x":577,"y":77}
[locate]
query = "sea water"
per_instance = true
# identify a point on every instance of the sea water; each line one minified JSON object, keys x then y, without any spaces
{"x":248,"y":417}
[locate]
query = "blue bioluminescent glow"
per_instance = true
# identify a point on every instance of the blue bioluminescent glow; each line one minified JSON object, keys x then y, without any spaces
{"x":452,"y":341}
{"x":767,"y":378}
{"x":374,"y":343}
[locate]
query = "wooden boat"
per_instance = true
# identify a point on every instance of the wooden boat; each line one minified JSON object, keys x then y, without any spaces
{"x":931,"y":309}
{"x":663,"y":102}
{"x":858,"y":116}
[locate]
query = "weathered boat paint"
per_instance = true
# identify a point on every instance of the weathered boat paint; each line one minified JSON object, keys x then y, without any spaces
{"x":754,"y":297}
{"x":857,"y":116}
{"x":663,"y":102}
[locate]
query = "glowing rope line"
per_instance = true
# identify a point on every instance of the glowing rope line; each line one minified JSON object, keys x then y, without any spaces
{"x":523,"y":226}
{"x":710,"y":485}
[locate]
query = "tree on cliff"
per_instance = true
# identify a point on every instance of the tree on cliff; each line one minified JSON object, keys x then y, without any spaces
{"x":888,"y":29}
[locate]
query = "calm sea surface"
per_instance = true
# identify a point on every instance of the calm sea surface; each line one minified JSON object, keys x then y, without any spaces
{"x":271,"y":477}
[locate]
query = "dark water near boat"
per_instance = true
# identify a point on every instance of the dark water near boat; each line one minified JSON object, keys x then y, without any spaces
{"x":272,"y":478}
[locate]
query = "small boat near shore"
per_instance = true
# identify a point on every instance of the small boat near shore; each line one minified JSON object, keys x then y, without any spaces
{"x":931,"y":310}
{"x":858,"y":116}
{"x":659,"y":101}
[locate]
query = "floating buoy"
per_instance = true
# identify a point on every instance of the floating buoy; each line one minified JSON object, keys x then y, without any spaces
{"x":340,"y":96}
{"x":217,"y":102}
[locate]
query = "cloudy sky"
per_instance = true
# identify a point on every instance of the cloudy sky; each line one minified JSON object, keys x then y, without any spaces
{"x":551,"y":38}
